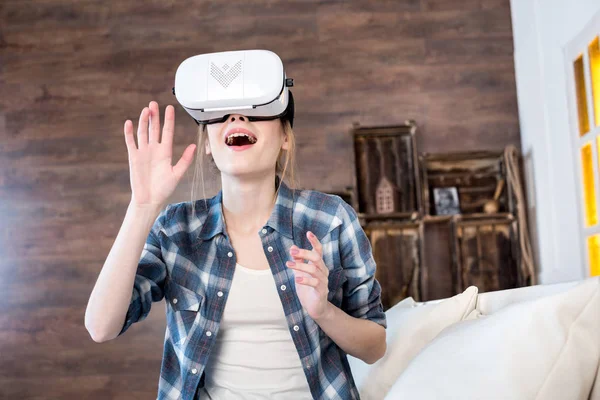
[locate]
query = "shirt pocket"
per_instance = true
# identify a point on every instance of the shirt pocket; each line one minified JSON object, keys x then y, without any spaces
{"x":336,"y":279}
{"x":183,"y":315}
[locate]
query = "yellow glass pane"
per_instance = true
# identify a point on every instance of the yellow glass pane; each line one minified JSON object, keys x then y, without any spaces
{"x":594,"y":52}
{"x":594,"y":254}
{"x":582,"y":110}
{"x":589,"y":188}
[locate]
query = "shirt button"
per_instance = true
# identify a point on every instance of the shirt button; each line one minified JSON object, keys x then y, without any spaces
{"x":282,"y":287}
{"x":296,"y":328}
{"x":230,"y":254}
{"x":270,"y":249}
{"x":264,"y":231}
{"x":220,"y":294}
{"x":174,"y":301}
{"x":194,"y":371}
{"x":209,"y":333}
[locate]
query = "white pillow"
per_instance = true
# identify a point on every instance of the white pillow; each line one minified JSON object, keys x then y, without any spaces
{"x":360,"y":369}
{"x":545,"y":348}
{"x":409,"y":330}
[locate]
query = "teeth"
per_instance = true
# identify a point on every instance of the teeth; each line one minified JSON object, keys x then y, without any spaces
{"x":251,"y":139}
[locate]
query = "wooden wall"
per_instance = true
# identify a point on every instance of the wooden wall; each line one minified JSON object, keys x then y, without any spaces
{"x":71,"y":73}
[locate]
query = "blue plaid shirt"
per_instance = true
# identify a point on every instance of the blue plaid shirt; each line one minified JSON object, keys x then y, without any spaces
{"x":189,"y":260}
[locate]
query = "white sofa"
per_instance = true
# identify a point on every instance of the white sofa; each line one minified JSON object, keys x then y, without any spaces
{"x":538,"y":342}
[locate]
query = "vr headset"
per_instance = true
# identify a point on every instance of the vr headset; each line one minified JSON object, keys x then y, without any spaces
{"x":253,"y":83}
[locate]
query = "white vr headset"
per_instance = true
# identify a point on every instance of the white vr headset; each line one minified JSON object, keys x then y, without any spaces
{"x":253,"y":83}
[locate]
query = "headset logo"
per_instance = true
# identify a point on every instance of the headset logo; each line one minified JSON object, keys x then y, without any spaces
{"x":225,"y":75}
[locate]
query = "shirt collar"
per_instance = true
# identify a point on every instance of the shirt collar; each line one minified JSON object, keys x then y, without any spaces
{"x":280,"y":218}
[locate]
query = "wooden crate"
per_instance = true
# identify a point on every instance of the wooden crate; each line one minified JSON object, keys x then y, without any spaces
{"x":386,"y":174}
{"x":476,"y":175}
{"x":437,"y":278}
{"x":397,"y":250}
{"x":486,"y":253}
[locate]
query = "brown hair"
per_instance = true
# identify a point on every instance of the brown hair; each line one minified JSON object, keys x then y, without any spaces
{"x":285,"y":165}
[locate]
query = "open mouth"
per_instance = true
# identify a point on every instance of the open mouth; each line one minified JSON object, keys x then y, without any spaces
{"x":240,"y":139}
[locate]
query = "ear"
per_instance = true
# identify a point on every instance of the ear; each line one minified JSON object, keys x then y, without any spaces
{"x":207,"y":146}
{"x":286,"y":143}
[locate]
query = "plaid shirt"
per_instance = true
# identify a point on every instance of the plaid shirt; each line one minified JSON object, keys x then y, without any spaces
{"x":189,"y":260}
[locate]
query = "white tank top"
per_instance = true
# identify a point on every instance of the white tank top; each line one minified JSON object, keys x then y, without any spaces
{"x":254,"y":356}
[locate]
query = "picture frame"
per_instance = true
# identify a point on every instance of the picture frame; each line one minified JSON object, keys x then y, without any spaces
{"x":446,"y":200}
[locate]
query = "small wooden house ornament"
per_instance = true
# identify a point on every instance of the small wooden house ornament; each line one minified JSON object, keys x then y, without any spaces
{"x":386,"y":193}
{"x":385,"y":196}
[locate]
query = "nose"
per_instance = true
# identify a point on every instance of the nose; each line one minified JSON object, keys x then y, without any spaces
{"x":233,"y":117}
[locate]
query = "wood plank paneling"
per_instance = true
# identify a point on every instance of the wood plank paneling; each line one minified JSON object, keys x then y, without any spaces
{"x":71,"y":73}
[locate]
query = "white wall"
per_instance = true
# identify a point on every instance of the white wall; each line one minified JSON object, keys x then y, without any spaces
{"x":542,"y":29}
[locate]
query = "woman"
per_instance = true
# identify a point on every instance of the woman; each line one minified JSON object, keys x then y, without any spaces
{"x":267,"y":287}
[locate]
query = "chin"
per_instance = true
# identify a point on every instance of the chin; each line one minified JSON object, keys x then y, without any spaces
{"x":241,"y":171}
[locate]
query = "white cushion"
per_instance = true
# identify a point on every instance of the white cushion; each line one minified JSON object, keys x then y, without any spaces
{"x":360,"y":369}
{"x":410,"y":328}
{"x":491,"y":302}
{"x":545,"y":348}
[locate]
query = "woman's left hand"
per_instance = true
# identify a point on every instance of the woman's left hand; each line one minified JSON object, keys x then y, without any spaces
{"x":311,"y":278}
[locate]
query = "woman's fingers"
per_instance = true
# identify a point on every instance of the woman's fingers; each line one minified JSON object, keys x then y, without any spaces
{"x":154,"y":123}
{"x":316,"y":244}
{"x":310,"y":255}
{"x":152,"y":176}
{"x":142,"y":132}
{"x":168,"y":128}
{"x":304,"y":254}
{"x":185,"y":161}
{"x":308,"y":281}
{"x":313,"y":270}
{"x":129,"y":139}
{"x":309,"y":275}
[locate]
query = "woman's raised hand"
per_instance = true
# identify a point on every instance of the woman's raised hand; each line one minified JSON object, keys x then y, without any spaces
{"x":153,"y":178}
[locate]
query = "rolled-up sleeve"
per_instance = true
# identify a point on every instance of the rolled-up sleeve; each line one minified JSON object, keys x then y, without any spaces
{"x":362,"y":292}
{"x":150,"y":276}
